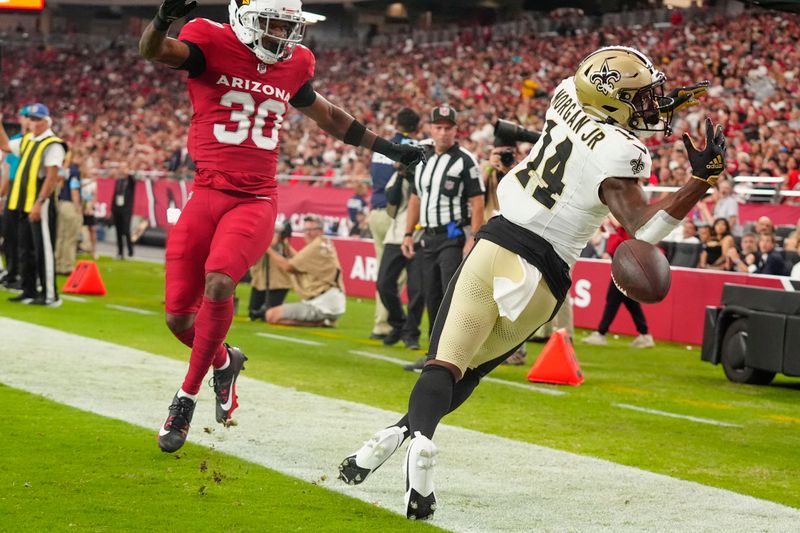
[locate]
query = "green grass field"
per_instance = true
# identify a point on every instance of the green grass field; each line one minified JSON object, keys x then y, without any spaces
{"x":54,"y":477}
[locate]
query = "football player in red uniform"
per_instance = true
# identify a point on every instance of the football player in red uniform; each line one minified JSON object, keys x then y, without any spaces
{"x":243,"y":76}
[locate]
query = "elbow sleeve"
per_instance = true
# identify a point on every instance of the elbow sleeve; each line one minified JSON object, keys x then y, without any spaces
{"x":658,"y":227}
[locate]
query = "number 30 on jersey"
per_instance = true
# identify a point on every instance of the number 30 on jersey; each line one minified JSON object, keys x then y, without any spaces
{"x":241,"y":118}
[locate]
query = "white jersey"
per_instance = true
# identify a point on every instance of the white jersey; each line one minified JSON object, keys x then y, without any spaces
{"x":555,"y":191}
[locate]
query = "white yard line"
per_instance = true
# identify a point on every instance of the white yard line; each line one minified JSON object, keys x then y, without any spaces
{"x":290,"y":339}
{"x":380,"y":357}
{"x":525,"y":386}
{"x":484,"y":482}
{"x":534,"y":388}
{"x":699,"y":420}
{"x":70,"y":298}
{"x":127,"y":309}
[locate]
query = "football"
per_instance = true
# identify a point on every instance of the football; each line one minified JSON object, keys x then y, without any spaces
{"x":641,"y":271}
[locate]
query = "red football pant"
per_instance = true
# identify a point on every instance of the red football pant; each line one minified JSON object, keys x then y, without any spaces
{"x":217,"y":232}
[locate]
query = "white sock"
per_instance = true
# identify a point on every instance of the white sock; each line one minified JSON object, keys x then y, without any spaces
{"x":227,"y":362}
{"x":183,"y":394}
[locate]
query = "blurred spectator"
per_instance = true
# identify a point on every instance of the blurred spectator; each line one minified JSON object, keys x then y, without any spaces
{"x":727,"y":206}
{"x":715,"y":251}
{"x":360,"y":229}
{"x":70,"y":216}
{"x":792,"y":241}
{"x":88,"y":194}
{"x":768,"y":261}
{"x":741,"y":260}
{"x":122,"y":210}
{"x":686,"y":232}
{"x":795,"y":274}
{"x":764,"y":225}
{"x":357,"y":203}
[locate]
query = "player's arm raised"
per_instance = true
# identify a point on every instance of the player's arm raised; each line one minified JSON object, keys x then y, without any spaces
{"x":652,"y":222}
{"x":339,"y":123}
{"x":154,"y":44}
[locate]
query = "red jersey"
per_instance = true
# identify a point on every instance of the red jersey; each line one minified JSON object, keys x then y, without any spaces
{"x":615,"y":239}
{"x":239,"y":104}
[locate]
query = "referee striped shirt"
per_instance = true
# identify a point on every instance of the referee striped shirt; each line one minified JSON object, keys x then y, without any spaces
{"x":444,"y":184}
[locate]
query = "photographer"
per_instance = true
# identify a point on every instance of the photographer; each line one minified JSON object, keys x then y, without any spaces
{"x":503,"y":157}
{"x":270,"y":284}
{"x":316,"y":278}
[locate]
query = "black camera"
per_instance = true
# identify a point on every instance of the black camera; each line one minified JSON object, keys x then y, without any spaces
{"x":508,"y":134}
{"x":508,"y":158}
{"x":286,"y":230}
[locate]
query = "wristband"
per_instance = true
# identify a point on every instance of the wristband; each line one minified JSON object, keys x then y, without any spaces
{"x":711,"y":180}
{"x":382,"y":146}
{"x":355,"y":134}
{"x":409,"y":234}
{"x":159,"y":23}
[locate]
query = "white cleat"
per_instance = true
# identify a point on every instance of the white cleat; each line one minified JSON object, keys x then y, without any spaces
{"x":643,"y":341}
{"x":419,"y":469}
{"x":596,"y":339}
{"x":355,"y":468}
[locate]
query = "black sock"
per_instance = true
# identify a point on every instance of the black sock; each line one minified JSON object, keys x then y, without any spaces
{"x":430,"y":399}
{"x":461,"y":391}
{"x":403,"y":422}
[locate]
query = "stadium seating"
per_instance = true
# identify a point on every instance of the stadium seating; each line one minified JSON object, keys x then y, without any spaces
{"x":687,"y":254}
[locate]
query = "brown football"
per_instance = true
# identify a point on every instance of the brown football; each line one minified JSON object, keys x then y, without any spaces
{"x":641,"y":271}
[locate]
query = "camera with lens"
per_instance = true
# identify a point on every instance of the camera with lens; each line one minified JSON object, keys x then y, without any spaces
{"x":507,"y":158}
{"x":509,"y":134}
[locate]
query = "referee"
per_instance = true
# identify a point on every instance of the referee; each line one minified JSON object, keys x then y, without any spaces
{"x":447,"y":202}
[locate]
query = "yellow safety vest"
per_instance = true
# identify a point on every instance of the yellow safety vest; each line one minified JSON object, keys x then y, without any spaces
{"x":30,"y":162}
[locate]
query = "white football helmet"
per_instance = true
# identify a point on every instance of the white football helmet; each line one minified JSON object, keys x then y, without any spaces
{"x":620,"y":85}
{"x":252,"y":20}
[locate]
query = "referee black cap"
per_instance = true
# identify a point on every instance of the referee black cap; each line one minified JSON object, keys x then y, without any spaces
{"x":443,"y":112}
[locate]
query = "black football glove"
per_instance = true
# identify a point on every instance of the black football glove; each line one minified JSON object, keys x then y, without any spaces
{"x":683,"y":97}
{"x":408,"y":155}
{"x":170,"y":11}
{"x":708,"y":163}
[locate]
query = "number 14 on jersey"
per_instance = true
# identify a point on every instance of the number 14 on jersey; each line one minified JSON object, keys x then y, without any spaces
{"x":549,"y":177}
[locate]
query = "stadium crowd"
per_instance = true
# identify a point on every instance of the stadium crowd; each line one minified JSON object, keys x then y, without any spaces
{"x":114,"y":106}
{"x":115,"y":109}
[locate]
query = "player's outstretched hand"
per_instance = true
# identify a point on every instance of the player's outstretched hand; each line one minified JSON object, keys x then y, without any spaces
{"x":708,"y":163}
{"x":172,"y":10}
{"x":683,"y":97}
{"x":407,"y":154}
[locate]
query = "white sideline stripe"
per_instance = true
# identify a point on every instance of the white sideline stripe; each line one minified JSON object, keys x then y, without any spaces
{"x":675,"y":415}
{"x":380,"y":357}
{"x":290,"y":339}
{"x":70,"y":298}
{"x":484,"y":482}
{"x":525,"y":386}
{"x":130,"y":309}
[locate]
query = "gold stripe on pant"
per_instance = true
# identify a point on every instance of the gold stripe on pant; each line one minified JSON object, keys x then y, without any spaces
{"x":473,"y":331}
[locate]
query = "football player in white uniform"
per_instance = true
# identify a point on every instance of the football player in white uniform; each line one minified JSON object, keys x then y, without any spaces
{"x":587,"y":162}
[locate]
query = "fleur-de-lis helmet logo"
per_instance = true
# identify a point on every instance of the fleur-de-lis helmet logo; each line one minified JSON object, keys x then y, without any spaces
{"x":603,"y":79}
{"x":637,"y":165}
